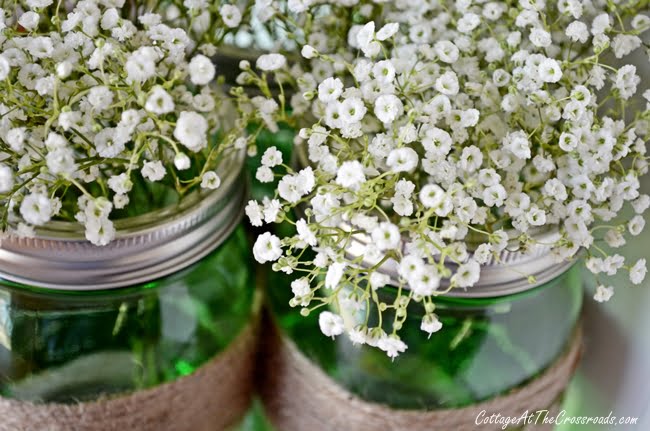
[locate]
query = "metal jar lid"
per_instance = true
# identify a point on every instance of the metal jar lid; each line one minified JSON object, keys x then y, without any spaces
{"x":145,"y":248}
{"x":504,"y":274}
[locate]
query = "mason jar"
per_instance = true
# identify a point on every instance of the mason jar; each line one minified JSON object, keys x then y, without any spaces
{"x":154,"y":331}
{"x":507,"y":345}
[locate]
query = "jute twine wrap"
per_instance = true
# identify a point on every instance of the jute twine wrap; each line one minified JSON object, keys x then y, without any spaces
{"x":210,"y":399}
{"x":299,"y":396}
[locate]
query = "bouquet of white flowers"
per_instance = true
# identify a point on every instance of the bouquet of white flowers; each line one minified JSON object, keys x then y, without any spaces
{"x":443,"y":133}
{"x":94,"y":105}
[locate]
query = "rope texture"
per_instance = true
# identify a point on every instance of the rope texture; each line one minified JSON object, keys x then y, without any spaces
{"x":299,"y":396}
{"x":211,"y":399}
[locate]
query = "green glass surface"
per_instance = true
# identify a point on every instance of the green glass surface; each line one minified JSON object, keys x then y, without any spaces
{"x":60,"y":346}
{"x":255,"y":419}
{"x":486,"y":346}
{"x":283,"y":141}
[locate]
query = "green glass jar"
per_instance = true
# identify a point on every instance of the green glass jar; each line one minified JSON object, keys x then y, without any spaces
{"x":491,"y":344}
{"x":164,"y":315}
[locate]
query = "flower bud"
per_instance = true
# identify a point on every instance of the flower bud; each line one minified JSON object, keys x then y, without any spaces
{"x":181,"y":161}
{"x":64,"y":69}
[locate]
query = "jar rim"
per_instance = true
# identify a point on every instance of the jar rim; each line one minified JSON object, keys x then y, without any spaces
{"x":146,"y":247}
{"x":506,"y":274}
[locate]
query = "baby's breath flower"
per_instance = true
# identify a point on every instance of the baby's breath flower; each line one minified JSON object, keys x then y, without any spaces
{"x":550,"y":70}
{"x":36,"y":209}
{"x":100,"y":101}
{"x":100,"y":231}
{"x":182,"y":161}
{"x":271,"y":62}
{"x":271,"y":157}
{"x":202,"y":70}
{"x":231,"y":15}
{"x":638,"y":271}
{"x":402,"y":159}
{"x":447,"y":83}
{"x":438,"y":136}
{"x":153,"y":171}
{"x":267,"y":248}
{"x":210,"y":180}
{"x":308,"y":52}
{"x":141,"y":64}
{"x":6,"y":179}
{"x":386,"y":236}
{"x":387,"y":31}
{"x":467,"y":274}
{"x":5,"y":68}
{"x":392,"y":345}
{"x":430,"y":324}
{"x":191,"y":130}
{"x":330,"y":89}
{"x":350,"y":175}
{"x":271,"y":210}
{"x":305,"y":233}
{"x":334,"y":275}
{"x":264,"y":174}
{"x":159,"y":102}
{"x":29,"y":20}
{"x":300,"y":287}
{"x":254,"y":212}
{"x":432,"y":195}
{"x":603,"y":293}
{"x":120,"y":201}
{"x":330,"y":324}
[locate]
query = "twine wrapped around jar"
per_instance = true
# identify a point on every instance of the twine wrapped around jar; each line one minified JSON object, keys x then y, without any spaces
{"x":211,"y":399}
{"x":299,"y":396}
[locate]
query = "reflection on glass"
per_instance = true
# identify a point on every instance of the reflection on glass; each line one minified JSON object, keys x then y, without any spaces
{"x":76,"y":346}
{"x":485,"y":348}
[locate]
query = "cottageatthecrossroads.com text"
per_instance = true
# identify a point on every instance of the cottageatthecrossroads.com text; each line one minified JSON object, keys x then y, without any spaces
{"x":546,"y":417}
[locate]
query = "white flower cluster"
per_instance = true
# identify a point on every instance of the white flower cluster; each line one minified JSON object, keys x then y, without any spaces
{"x":443,"y":124}
{"x":92,"y":104}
